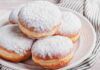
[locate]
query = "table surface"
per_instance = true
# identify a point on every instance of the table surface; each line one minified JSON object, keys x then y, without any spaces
{"x":6,"y":5}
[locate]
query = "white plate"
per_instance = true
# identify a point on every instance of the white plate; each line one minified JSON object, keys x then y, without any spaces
{"x":86,"y":46}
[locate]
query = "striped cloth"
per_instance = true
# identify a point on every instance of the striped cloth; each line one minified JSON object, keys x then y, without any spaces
{"x":90,"y":9}
{"x":76,"y":5}
{"x":53,"y":1}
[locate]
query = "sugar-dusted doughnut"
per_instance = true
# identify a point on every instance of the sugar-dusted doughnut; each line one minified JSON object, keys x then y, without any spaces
{"x":52,"y":52}
{"x":14,"y":46}
{"x":39,"y":19}
{"x":71,"y":26}
{"x":13,"y":17}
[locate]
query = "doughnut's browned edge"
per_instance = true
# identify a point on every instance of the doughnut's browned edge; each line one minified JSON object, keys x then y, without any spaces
{"x":33,"y":34}
{"x":74,"y":37}
{"x":12,"y":56}
{"x":61,"y":62}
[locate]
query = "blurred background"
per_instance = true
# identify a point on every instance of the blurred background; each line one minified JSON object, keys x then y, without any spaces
{"x":10,"y":4}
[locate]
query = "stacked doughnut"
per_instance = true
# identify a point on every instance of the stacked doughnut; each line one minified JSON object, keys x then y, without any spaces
{"x":14,"y":46}
{"x":55,"y":31}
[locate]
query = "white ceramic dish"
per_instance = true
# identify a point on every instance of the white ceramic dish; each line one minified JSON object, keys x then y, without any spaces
{"x":86,"y":46}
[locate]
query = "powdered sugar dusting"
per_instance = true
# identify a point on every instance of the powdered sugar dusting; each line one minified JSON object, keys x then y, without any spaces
{"x":13,"y":17}
{"x":42,"y":15}
{"x":51,"y":46}
{"x":12,"y":39}
{"x":70,"y":23}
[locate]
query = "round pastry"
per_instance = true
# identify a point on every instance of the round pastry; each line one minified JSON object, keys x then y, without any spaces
{"x":70,"y":26}
{"x":52,"y":52}
{"x":39,"y":19}
{"x":14,"y":46}
{"x":13,"y":17}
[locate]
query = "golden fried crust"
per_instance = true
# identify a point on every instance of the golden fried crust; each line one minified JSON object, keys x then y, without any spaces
{"x":74,"y":37}
{"x":12,"y":56}
{"x":32,"y":34}
{"x":53,"y":63}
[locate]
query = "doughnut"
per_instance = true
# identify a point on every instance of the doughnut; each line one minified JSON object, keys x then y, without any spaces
{"x":70,"y":26}
{"x":52,"y":52}
{"x":14,"y":46}
{"x":39,"y":19}
{"x":13,"y":17}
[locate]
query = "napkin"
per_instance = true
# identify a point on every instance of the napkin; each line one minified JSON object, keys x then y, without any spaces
{"x":76,"y":5}
{"x":92,"y":11}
